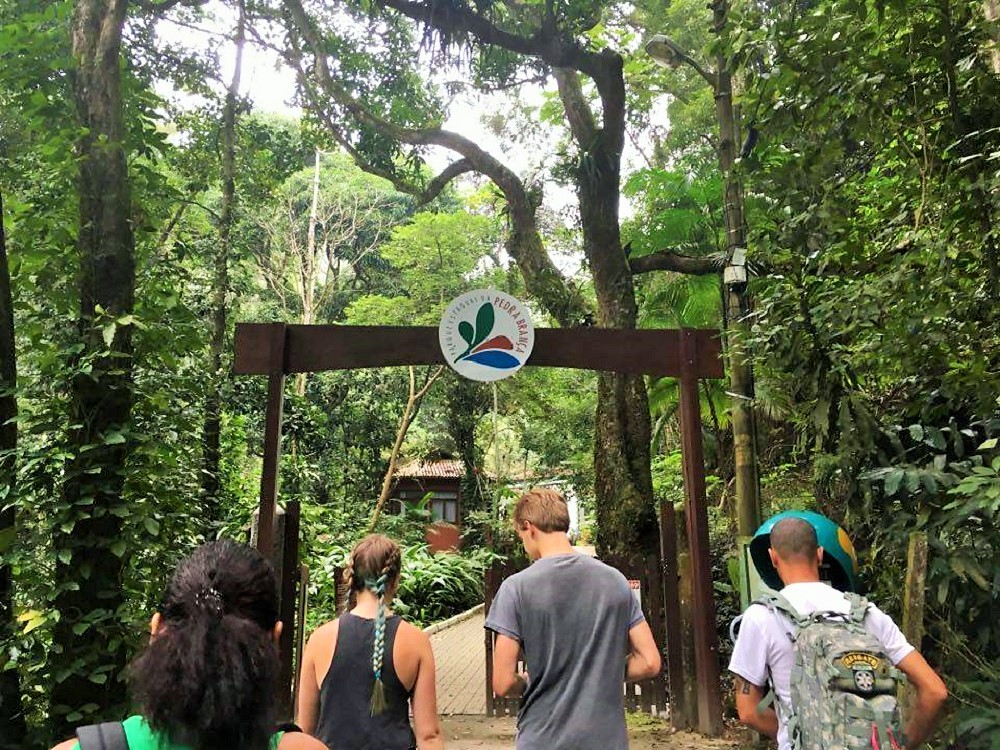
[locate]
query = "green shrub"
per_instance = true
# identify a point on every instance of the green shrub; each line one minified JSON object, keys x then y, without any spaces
{"x":432,"y":587}
{"x":435,"y":587}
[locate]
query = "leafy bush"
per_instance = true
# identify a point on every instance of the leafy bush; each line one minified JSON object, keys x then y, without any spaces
{"x":432,"y":587}
{"x":938,"y":486}
{"x":435,"y":587}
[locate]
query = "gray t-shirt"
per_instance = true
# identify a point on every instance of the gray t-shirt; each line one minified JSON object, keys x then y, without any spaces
{"x":572,"y":615}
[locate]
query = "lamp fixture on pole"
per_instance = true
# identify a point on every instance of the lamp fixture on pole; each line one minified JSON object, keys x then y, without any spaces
{"x":666,"y":52}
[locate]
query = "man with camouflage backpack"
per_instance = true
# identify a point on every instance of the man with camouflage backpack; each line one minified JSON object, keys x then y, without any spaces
{"x":833,"y":660}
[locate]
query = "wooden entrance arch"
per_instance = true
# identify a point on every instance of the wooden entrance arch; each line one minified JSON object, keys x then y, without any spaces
{"x":279,"y":349}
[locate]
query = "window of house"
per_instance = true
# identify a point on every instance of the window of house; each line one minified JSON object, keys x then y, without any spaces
{"x":442,"y":505}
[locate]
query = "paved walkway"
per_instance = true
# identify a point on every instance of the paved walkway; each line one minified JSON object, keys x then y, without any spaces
{"x":484,"y":733}
{"x":460,"y":657}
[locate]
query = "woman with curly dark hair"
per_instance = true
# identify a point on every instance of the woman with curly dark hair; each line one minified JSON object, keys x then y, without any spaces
{"x":362,"y":671}
{"x":208,"y":678}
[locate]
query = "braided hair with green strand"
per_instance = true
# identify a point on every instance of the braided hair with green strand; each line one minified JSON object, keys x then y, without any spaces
{"x":374,"y":564}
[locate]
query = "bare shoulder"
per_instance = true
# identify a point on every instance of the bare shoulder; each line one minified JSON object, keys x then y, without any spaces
{"x":413,"y":636}
{"x":411,"y":632}
{"x":324,"y":634}
{"x":67,"y":745}
{"x":300,"y":741}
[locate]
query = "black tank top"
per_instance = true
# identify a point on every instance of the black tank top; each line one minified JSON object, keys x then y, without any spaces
{"x":345,"y":720}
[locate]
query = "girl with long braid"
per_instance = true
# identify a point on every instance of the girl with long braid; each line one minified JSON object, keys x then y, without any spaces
{"x":362,"y":672}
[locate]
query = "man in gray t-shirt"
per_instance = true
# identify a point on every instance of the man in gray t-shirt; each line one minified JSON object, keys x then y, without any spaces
{"x":583,"y":635}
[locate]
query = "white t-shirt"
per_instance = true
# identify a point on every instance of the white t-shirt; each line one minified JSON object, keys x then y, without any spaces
{"x":764,"y":645}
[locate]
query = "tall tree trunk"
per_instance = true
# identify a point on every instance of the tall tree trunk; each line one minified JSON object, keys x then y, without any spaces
{"x":737,"y":303}
{"x":12,"y":726}
{"x":991,"y":10}
{"x":213,"y":408}
{"x":309,"y":262}
{"x":87,"y":525}
{"x":626,"y":516}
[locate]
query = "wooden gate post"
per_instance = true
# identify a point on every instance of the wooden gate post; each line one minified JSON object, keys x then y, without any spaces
{"x":706,"y":645}
{"x":689,"y":681}
{"x":680,"y":711}
{"x":289,"y":587}
{"x":490,"y":586}
{"x":300,"y":632}
{"x":913,"y":605}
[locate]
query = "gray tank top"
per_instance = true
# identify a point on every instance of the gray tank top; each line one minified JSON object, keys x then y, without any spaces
{"x":345,"y":720}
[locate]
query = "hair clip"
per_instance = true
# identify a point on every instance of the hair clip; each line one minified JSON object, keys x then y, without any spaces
{"x":211,"y":601}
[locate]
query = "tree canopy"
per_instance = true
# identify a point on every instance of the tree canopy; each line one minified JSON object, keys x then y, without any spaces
{"x":147,"y":206}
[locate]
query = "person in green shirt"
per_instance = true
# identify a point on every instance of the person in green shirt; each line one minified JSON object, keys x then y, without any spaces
{"x":208,"y":677}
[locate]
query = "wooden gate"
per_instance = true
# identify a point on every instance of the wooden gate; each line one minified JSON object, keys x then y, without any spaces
{"x":278,"y":349}
{"x":645,"y":577}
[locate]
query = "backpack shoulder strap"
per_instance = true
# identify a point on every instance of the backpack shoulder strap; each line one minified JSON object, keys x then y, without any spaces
{"x":859,"y":607}
{"x":775,"y":601}
{"x":107,"y":736}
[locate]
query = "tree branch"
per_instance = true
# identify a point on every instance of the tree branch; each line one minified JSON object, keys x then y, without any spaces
{"x":538,"y":79}
{"x":578,"y":114}
{"x":542,"y":278}
{"x":412,"y":402}
{"x":545,"y":44}
{"x":152,"y":6}
{"x":665,"y":260}
{"x":449,"y":173}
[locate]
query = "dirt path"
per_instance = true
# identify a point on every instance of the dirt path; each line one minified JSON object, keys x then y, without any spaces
{"x":482,"y":733}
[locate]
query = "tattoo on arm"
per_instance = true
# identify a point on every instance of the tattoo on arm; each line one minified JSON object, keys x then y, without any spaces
{"x":743,"y":685}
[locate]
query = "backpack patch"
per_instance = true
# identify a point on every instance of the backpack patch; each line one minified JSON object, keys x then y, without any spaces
{"x":843,"y":685}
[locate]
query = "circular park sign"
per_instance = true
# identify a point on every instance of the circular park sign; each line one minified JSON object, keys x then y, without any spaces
{"x":486,"y":335}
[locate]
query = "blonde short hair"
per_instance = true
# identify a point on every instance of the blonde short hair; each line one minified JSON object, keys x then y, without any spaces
{"x":543,"y":508}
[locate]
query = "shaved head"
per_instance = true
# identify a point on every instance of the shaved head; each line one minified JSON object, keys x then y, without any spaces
{"x":794,"y":539}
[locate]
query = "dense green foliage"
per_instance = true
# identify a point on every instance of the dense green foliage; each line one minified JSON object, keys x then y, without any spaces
{"x":872,"y":191}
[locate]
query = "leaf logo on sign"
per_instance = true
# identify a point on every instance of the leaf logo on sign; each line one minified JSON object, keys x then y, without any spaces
{"x":483,"y":349}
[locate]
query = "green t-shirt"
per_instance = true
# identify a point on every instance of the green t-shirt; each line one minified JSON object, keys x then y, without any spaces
{"x":141,"y":737}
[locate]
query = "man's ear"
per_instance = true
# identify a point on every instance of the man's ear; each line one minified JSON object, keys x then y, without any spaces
{"x":276,"y":633}
{"x":774,"y":557}
{"x":819,"y":556}
{"x":155,"y":622}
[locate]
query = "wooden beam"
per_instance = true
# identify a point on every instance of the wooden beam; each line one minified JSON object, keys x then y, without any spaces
{"x":329,"y":347}
{"x":706,"y":642}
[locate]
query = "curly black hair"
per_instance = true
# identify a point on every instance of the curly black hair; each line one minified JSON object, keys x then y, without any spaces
{"x":209,"y":676}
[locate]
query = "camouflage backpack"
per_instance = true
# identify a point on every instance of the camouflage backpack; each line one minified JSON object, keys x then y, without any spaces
{"x":843,"y":686}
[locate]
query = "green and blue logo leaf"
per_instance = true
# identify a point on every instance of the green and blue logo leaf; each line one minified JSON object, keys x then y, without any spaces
{"x":483,"y":349}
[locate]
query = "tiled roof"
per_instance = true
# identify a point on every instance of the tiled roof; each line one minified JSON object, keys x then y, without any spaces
{"x":453,"y":468}
{"x":443,"y":468}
